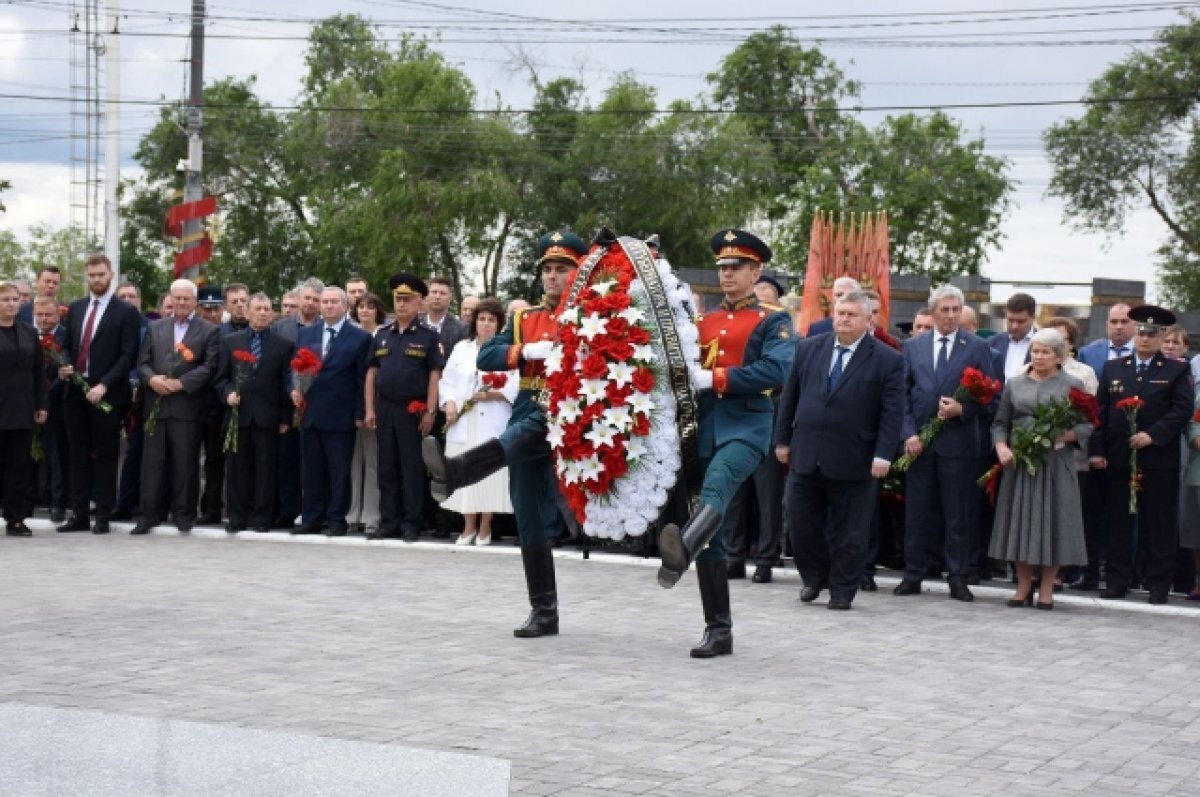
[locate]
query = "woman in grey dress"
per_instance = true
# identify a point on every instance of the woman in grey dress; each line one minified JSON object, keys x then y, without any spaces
{"x":1038,"y":523}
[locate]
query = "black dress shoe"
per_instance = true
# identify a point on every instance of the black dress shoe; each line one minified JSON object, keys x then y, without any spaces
{"x":960,"y":592}
{"x":185,"y":524}
{"x":411,"y":535}
{"x":810,"y":594}
{"x":358,"y":528}
{"x":838,"y":605}
{"x":234,"y":528}
{"x":143,"y":527}
{"x":868,"y":584}
{"x":101,"y":526}
{"x":762,"y":574}
{"x":1114,"y":594}
{"x":122,"y":514}
{"x":736,"y":570}
{"x":336,"y":531}
{"x":907,"y":587}
{"x":283,"y":524}
{"x":307,"y":528}
{"x":383,"y":534}
{"x":57,"y":516}
{"x":76,"y":523}
{"x":19,"y":529}
{"x":1157,"y":598}
{"x":262,"y":529}
{"x":1086,"y":585}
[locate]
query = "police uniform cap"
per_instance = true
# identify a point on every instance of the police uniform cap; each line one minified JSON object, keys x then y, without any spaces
{"x":1150,"y":318}
{"x":209,"y":296}
{"x":734,"y":247}
{"x":561,"y":245}
{"x":766,"y":279}
{"x":404,"y":284}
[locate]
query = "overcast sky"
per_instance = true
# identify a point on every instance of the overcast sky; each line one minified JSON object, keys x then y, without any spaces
{"x":908,"y":53}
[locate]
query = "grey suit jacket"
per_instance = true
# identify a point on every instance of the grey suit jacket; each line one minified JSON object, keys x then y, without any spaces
{"x":158,"y":356}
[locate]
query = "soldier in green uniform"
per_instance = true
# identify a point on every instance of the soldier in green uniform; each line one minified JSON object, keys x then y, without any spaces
{"x":524,"y":344}
{"x":746,"y":352}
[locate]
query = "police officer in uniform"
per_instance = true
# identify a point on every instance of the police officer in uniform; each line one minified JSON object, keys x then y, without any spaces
{"x":746,"y":351}
{"x":1165,"y":388}
{"x":523,"y":344}
{"x":405,"y":366}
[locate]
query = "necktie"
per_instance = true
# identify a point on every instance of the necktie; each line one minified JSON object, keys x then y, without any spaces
{"x":1141,"y":369}
{"x":329,"y":342}
{"x":1119,"y":351}
{"x":256,"y":344}
{"x":85,"y":344}
{"x":836,"y":373}
{"x":943,"y":358}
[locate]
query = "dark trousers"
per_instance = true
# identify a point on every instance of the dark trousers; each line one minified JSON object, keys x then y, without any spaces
{"x":730,"y":465}
{"x":402,"y":477}
{"x":288,"y":472}
{"x":1093,"y":489}
{"x":251,"y":486}
{"x":326,"y":480}
{"x":94,"y":445}
{"x":754,"y":523}
{"x":946,"y":483}
{"x":211,"y":502}
{"x":16,"y":465}
{"x":54,"y":443}
{"x":130,"y":490}
{"x":1157,"y":529}
{"x":531,"y":483}
{"x":833,"y":556}
{"x":175,"y":445}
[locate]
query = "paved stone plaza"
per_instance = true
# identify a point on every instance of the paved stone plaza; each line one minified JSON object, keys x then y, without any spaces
{"x":411,"y":646}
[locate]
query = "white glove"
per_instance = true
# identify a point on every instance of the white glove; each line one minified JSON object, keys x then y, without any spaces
{"x":537,"y":351}
{"x":702,"y":379}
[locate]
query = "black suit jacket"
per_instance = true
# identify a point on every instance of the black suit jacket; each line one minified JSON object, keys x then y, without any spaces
{"x":22,"y":378}
{"x":158,"y":357}
{"x":114,"y":346}
{"x":841,"y":432}
{"x":266,"y":387}
{"x":1167,"y":392}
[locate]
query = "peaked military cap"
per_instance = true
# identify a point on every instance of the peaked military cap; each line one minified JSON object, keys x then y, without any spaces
{"x":209,"y":296}
{"x":733,"y":247}
{"x":766,"y":279}
{"x":561,"y":245}
{"x":1151,"y":318}
{"x":404,"y":284}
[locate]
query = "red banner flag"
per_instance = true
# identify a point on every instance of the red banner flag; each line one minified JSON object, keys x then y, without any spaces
{"x":856,"y":247}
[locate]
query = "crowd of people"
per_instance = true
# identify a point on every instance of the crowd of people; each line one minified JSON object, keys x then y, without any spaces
{"x":317,"y":418}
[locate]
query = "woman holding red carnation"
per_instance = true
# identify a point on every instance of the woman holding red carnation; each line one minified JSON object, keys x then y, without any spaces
{"x":23,"y":402}
{"x":477,"y":406}
{"x":1038,"y":524}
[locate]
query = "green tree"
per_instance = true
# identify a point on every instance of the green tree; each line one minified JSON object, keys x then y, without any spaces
{"x":1138,"y":146}
{"x":12,"y":256}
{"x":4,"y":186}
{"x":51,"y":246}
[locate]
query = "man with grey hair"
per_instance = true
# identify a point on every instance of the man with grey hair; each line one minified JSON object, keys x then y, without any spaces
{"x":942,"y":477}
{"x":176,"y":364}
{"x":841,"y":286}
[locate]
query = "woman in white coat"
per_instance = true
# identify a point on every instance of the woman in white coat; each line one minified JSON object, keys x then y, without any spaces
{"x":476,"y":411}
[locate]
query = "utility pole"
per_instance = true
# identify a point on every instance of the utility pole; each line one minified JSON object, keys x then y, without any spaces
{"x":193,"y":191}
{"x":112,"y":153}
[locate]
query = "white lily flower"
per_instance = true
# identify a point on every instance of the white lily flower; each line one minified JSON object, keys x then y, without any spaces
{"x":592,"y":326}
{"x":593,"y":390}
{"x":643,"y":353}
{"x":632,"y":315}
{"x":571,"y":472}
{"x":640,"y":402}
{"x":554,"y":433}
{"x":620,"y":373}
{"x":554,"y":361}
{"x":602,"y":288}
{"x":635,"y":449}
{"x":569,"y":316}
{"x":590,"y":468}
{"x":601,"y":435}
{"x":618,"y":418}
{"x":568,"y":410}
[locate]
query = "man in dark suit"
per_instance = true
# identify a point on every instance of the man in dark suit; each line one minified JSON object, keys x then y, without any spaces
{"x":437,"y":315}
{"x":101,"y":341}
{"x":1012,"y":346}
{"x":841,"y":286}
{"x":47,"y":321}
{"x":212,"y":502}
{"x":176,"y":364}
{"x":333,"y":410}
{"x":264,"y":413}
{"x":129,"y":489}
{"x":837,"y":429}
{"x":942,"y":477}
{"x":47,"y":283}
{"x":1164,"y":386}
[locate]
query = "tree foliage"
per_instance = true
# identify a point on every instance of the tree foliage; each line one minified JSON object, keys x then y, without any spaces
{"x":1138,"y":146}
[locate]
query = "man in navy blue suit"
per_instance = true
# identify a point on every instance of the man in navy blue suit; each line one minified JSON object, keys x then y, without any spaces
{"x":1012,"y":345}
{"x":841,"y":286}
{"x":943,"y":476}
{"x":1118,"y":344}
{"x":837,"y":429}
{"x":333,"y":412}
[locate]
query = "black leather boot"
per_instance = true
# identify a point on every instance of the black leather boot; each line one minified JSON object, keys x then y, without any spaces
{"x":543,"y":593}
{"x":718,"y":623}
{"x":678,"y":548}
{"x":469,"y":467}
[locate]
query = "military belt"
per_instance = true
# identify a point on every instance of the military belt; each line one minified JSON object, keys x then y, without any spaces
{"x":533,"y":383}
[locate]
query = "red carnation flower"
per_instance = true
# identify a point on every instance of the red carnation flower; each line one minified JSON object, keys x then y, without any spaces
{"x":417,"y":407}
{"x":244,"y":356}
{"x":639,"y":336}
{"x":643,"y":380}
{"x":594,"y":366}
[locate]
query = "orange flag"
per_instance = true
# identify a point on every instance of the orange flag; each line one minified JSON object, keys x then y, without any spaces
{"x":857,"y":247}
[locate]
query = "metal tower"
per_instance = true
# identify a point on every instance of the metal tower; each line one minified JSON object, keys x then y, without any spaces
{"x":87,"y":122}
